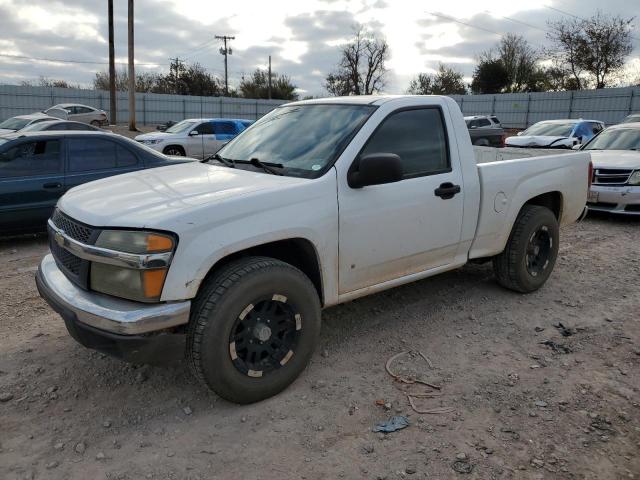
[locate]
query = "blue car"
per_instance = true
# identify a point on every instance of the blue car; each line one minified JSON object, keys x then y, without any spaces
{"x":36,"y":168}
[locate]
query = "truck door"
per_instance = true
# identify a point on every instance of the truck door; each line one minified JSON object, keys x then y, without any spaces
{"x":392,"y":230}
{"x":31,"y":181}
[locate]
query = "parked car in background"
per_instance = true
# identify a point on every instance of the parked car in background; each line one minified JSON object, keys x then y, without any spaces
{"x":60,"y":125}
{"x":634,"y":117}
{"x":36,"y":168}
{"x":80,"y":113}
{"x":556,"y":134}
{"x":194,"y":137}
{"x":163,"y":126}
{"x":15,"y":124}
{"x":485,"y":130}
{"x":615,"y":154}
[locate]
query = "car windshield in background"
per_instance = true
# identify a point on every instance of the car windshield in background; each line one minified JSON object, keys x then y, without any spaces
{"x":616,"y":139}
{"x":550,"y":129}
{"x":14,"y":123}
{"x":180,"y":126}
{"x":631,"y":119}
{"x":305,"y":139}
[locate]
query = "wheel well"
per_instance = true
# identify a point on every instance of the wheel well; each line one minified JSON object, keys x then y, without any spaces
{"x":174,"y":146}
{"x":550,"y":200}
{"x":298,"y":252}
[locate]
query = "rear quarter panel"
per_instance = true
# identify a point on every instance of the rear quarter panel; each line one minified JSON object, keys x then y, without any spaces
{"x":518,"y":181}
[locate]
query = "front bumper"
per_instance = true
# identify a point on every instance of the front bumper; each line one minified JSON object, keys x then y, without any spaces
{"x":620,"y":200}
{"x":136,"y":332}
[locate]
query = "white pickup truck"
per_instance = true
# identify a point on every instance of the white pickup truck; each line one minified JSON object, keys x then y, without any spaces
{"x":230,"y":261}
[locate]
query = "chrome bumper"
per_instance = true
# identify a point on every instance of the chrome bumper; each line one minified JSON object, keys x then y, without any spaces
{"x":104,"y":312}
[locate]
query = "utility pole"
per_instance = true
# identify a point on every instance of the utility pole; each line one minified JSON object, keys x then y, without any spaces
{"x":225,"y":51}
{"x":112,"y":69}
{"x":132,"y":72}
{"x":269,"y":91}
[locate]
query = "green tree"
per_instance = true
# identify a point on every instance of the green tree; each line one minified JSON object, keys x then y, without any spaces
{"x":446,"y":81}
{"x":257,"y":86}
{"x":490,"y":76}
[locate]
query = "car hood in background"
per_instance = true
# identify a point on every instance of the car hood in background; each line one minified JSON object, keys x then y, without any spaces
{"x":154,"y":136}
{"x":539,"y":141}
{"x":615,"y":158}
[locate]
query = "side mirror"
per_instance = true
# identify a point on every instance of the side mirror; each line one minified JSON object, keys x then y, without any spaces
{"x":375,"y":169}
{"x":576,"y":147}
{"x":193,"y":133}
{"x":579,"y":139}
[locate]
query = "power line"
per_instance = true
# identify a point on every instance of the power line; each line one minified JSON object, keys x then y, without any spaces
{"x":518,"y":21}
{"x":452,"y":19}
{"x":82,"y":62}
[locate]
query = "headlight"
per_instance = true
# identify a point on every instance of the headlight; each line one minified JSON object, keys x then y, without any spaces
{"x":151,"y":142}
{"x":634,"y":179}
{"x":143,"y":285}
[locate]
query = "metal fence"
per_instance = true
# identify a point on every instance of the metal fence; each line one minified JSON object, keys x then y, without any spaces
{"x":515,"y":110}
{"x":151,"y":108}
{"x":519,"y":110}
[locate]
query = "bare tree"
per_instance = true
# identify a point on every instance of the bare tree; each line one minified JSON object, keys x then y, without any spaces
{"x":592,"y":48}
{"x":361,"y":70}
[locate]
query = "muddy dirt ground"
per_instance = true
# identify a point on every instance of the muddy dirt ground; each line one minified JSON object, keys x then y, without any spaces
{"x":519,"y":409}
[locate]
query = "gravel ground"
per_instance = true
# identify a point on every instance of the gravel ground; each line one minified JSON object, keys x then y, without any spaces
{"x":517,"y":408}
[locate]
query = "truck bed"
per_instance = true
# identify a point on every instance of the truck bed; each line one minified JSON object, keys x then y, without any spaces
{"x":505,"y":185}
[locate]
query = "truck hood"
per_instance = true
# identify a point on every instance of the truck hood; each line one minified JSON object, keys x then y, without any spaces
{"x":154,"y":136}
{"x":538,"y":141}
{"x":615,"y":158}
{"x":167,"y":196}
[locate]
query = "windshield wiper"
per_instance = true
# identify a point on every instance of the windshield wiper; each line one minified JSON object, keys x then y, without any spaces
{"x":266,"y":166}
{"x":227,"y":162}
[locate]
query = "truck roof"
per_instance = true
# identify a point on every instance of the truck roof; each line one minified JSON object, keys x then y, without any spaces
{"x":359,"y":99}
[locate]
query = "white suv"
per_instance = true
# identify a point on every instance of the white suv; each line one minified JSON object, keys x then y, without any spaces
{"x":195,"y":137}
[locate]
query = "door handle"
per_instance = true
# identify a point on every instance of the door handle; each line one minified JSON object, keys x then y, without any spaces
{"x":52,"y":185}
{"x":447,"y":190}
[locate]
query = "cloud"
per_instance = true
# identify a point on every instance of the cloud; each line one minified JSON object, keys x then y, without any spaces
{"x":302,"y":38}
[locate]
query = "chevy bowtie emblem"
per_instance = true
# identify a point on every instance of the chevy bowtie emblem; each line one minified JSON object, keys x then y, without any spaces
{"x":59,"y":238}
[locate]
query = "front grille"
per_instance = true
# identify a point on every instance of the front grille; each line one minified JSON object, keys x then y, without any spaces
{"x":74,"y":268}
{"x":611,"y":176}
{"x":68,"y":260}
{"x":604,"y":205}
{"x":632,"y":208}
{"x":76,"y":230}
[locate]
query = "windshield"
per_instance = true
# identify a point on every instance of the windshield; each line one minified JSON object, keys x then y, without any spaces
{"x":180,"y":126}
{"x":14,"y":123}
{"x":550,"y":129}
{"x":305,"y":139}
{"x":616,"y":139}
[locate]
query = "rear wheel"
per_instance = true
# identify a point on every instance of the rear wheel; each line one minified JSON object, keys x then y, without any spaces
{"x":95,"y":123}
{"x":253,"y":328}
{"x":176,"y":150}
{"x":531,"y":251}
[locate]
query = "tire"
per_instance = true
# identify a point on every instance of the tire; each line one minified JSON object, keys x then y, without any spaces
{"x":481,"y":142}
{"x":224,"y":320}
{"x":95,"y":123}
{"x":521,"y":266}
{"x":176,"y":150}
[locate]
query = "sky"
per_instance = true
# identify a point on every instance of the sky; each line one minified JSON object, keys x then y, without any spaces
{"x":303,"y":37}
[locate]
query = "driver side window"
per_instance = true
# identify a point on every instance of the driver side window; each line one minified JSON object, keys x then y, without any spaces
{"x":205,"y":128}
{"x":418,"y":137}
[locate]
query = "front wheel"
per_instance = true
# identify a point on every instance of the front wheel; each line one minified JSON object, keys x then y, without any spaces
{"x":174,"y":150}
{"x":253,"y":328}
{"x":531,"y":251}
